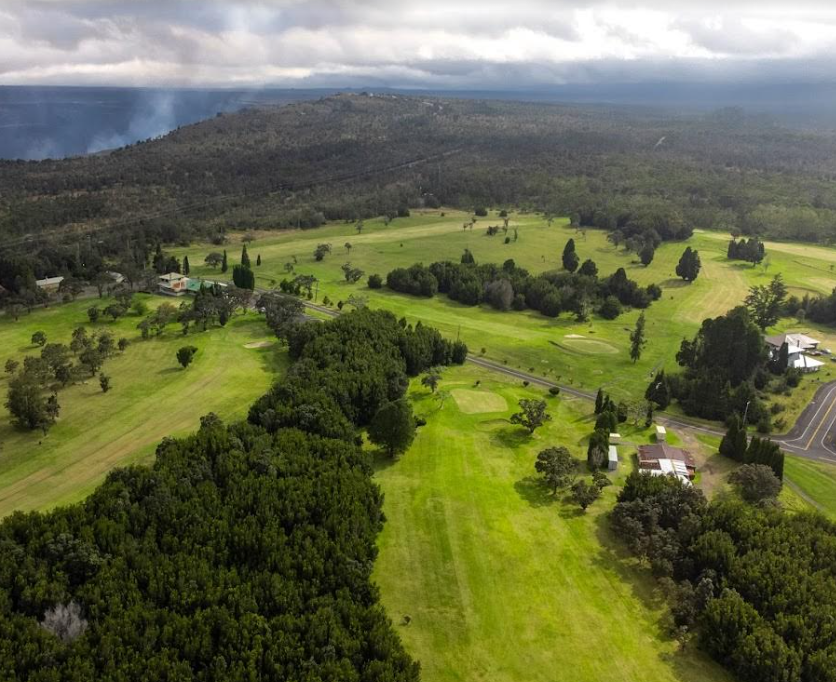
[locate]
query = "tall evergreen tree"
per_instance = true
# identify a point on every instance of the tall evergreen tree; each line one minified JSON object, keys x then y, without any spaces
{"x":599,"y":401}
{"x":734,"y":443}
{"x":637,"y":340}
{"x":689,"y":265}
{"x":186,"y":267}
{"x":224,"y":264}
{"x":659,"y":390}
{"x":258,"y":259}
{"x":570,"y":257}
{"x":245,"y":257}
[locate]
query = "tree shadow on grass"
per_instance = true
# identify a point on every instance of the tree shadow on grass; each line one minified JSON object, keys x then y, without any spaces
{"x":381,"y":460}
{"x":511,"y":437}
{"x":532,"y":490}
{"x":689,"y":664}
{"x":674,"y":283}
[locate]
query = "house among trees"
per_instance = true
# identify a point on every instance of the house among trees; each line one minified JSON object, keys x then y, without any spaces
{"x":49,"y":284}
{"x":117,"y":277}
{"x":661,"y":459}
{"x":173,"y":284}
{"x":796,"y":345}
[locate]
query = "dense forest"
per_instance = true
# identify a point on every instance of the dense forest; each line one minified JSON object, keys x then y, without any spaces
{"x":632,"y":170}
{"x":755,"y":585}
{"x":244,"y":552}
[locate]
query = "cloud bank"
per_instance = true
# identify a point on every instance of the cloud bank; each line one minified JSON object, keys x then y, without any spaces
{"x":403,"y":44}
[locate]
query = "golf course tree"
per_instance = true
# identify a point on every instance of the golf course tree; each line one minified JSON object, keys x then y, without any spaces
{"x":588,"y":268}
{"x":104,"y":382}
{"x":720,"y":365}
{"x":646,"y":253}
{"x":737,"y":574}
{"x":430,"y":380}
{"x":39,"y":339}
{"x":570,"y":257}
{"x":752,"y":251}
{"x":258,"y":260}
{"x":735,"y":442}
{"x":28,"y":406}
{"x":467,"y":258}
{"x":532,"y":414}
{"x":659,"y":391}
{"x":637,"y":339}
{"x":92,"y":358}
{"x":689,"y":265}
{"x":393,"y":427}
{"x":283,"y":313}
{"x":245,"y":257}
{"x":213,"y":260}
{"x":597,"y":448}
{"x":185,"y":355}
{"x":584,"y":493}
{"x":352,"y":275}
{"x":375,"y":281}
{"x":321,"y":251}
{"x":556,"y":466}
{"x":756,"y":483}
{"x":224,"y":262}
{"x":186,"y":267}
{"x":243,"y":277}
{"x":765,"y":302}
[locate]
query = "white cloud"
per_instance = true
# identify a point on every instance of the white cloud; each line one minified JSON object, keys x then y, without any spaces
{"x":455,"y":43}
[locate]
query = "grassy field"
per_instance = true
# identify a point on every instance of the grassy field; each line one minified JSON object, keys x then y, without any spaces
{"x":151,"y":397}
{"x":815,"y":483}
{"x":501,"y":581}
{"x":585,"y":355}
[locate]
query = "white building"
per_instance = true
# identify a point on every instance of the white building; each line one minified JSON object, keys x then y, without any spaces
{"x":797,"y":345}
{"x":612,"y":459}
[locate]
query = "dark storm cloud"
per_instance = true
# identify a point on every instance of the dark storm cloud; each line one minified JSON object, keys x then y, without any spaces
{"x":459,"y":43}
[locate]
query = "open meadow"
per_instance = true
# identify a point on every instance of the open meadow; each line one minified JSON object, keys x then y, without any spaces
{"x":151,"y":397}
{"x":584,"y":355}
{"x":501,"y":581}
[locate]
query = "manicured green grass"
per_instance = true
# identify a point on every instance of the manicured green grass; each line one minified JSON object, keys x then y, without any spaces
{"x":151,"y":397}
{"x":585,"y":355}
{"x":501,"y":581}
{"x":816,"y":482}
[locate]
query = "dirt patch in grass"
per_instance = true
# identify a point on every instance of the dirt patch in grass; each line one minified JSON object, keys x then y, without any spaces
{"x":259,"y":344}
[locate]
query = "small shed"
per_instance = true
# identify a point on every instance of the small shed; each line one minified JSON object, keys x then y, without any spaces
{"x":615,"y":438}
{"x":661,"y":434}
{"x":612,"y":458}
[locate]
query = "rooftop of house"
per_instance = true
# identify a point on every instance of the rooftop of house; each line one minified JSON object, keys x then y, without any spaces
{"x":652,"y":454}
{"x":46,"y":281}
{"x":801,"y":341}
{"x":172,"y":277}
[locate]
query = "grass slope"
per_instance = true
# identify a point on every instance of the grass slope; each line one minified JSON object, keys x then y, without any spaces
{"x":502,"y":582}
{"x":151,"y":398}
{"x":528,"y":340}
{"x":816,"y":483}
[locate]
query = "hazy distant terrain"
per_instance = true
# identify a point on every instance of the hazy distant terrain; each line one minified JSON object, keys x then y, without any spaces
{"x":55,"y":122}
{"x":38,"y":123}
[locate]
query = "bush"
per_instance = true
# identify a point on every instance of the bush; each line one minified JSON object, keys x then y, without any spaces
{"x":375,"y":281}
{"x":480,"y":211}
{"x":793,"y":377}
{"x":764,"y":424}
{"x":554,"y":390}
{"x":610,"y":308}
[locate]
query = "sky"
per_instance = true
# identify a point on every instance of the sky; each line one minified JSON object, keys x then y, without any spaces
{"x":454,"y":44}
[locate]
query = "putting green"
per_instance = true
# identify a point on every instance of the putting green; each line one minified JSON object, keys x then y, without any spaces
{"x":589,"y":346}
{"x":478,"y":402}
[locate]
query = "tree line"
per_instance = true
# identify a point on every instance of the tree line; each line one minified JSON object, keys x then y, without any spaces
{"x":245,"y":551}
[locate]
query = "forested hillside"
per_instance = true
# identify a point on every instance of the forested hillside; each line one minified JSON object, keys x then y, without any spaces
{"x":244,"y":553}
{"x":355,"y":156}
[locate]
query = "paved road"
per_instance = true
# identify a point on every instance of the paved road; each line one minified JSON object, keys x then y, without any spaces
{"x":813,"y":435}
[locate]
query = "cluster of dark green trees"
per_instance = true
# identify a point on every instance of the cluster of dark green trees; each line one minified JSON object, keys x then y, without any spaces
{"x":751,"y":250}
{"x":736,"y":446}
{"x":245,"y":552}
{"x":725,"y":366}
{"x":754,"y":585}
{"x":509,"y":287}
